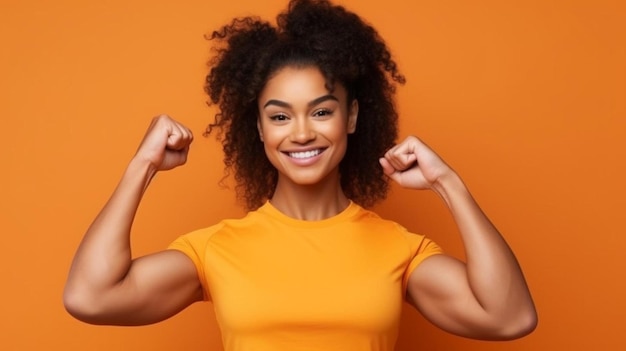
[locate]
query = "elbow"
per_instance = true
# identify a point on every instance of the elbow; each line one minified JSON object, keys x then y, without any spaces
{"x":522,"y":324}
{"x":80,"y":305}
{"x":528,"y":323}
{"x":75,"y":303}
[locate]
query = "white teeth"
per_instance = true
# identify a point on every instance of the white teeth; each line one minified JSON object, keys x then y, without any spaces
{"x":305,"y":154}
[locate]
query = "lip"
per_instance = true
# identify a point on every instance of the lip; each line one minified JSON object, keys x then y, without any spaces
{"x":305,"y":161}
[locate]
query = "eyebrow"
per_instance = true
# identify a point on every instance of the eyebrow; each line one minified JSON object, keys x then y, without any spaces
{"x":312,"y":103}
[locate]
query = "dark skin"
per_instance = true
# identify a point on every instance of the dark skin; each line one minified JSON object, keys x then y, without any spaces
{"x":304,"y":128}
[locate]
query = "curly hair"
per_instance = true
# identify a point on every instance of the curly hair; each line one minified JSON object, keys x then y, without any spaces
{"x":348,"y":51}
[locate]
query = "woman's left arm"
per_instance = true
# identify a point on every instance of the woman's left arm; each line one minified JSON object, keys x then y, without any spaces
{"x":484,"y":298}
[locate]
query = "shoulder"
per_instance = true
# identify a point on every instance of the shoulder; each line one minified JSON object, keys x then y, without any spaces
{"x":414,"y":242}
{"x":374,"y":221}
{"x":369,"y":217}
{"x":205,"y":235}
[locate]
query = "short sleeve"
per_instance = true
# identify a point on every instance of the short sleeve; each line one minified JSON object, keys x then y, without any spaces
{"x":420,"y":248}
{"x":193,"y":245}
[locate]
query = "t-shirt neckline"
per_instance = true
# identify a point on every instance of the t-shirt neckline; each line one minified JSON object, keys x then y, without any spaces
{"x":346,"y":214}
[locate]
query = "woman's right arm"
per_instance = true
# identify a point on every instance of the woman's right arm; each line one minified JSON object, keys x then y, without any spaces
{"x":105,"y":284}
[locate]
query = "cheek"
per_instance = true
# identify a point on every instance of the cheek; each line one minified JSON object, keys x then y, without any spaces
{"x":270,"y":154}
{"x":336,"y":132}
{"x":272,"y":134}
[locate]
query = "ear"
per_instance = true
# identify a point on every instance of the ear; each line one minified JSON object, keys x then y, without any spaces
{"x":353,"y":114}
{"x":259,"y":128}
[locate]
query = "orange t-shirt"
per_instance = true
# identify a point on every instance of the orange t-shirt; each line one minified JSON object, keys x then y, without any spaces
{"x":279,"y":283}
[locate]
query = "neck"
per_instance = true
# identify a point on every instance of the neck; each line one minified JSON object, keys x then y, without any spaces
{"x":309,"y":202}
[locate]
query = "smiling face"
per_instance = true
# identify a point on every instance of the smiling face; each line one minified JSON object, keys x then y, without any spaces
{"x":303,"y":126}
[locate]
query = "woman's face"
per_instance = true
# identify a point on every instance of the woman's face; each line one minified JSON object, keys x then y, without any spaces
{"x":303,"y":126}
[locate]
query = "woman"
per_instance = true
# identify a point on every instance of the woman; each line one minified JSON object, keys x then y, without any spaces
{"x":308,"y":127}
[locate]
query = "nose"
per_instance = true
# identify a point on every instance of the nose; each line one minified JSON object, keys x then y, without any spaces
{"x":302,"y":131}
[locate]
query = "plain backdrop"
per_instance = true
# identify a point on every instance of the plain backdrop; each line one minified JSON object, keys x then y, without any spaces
{"x":524,"y":98}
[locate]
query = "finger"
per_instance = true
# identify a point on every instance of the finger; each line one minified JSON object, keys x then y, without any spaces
{"x":180,"y":137}
{"x":182,"y":155}
{"x":401,"y":159}
{"x":391,"y":158}
{"x":407,"y":160}
{"x":186,"y":132}
{"x":389,"y":170}
{"x":176,"y":140}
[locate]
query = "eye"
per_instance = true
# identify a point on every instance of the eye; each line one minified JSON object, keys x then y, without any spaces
{"x":322,"y":112}
{"x":279,"y":117}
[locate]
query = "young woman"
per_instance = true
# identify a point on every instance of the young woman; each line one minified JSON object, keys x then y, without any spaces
{"x":308,"y":126}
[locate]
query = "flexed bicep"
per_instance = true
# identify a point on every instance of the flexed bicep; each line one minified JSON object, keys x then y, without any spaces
{"x":105,"y":284}
{"x":440,"y":290}
{"x":156,"y":287}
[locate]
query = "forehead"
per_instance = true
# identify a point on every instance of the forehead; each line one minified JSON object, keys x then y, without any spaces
{"x":298,"y":84}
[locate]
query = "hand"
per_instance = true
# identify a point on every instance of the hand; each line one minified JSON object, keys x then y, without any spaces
{"x":166,"y":144}
{"x":412,"y":164}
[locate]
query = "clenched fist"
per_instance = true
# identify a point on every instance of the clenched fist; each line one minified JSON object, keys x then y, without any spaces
{"x":412,"y":164}
{"x":165,"y":144}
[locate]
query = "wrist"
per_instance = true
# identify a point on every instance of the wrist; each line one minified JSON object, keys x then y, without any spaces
{"x":448,"y":186}
{"x":140,"y":168}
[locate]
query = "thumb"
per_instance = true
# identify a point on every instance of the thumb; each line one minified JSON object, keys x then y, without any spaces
{"x":388,"y":169}
{"x":176,"y":141}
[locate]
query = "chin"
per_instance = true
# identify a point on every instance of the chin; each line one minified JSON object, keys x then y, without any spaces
{"x":308,"y":179}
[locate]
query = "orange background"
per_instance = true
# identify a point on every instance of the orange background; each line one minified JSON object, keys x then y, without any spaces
{"x":526,"y":99}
